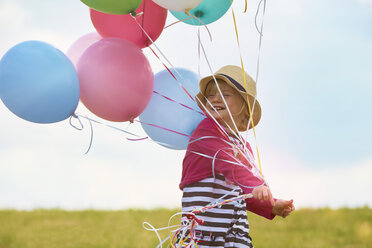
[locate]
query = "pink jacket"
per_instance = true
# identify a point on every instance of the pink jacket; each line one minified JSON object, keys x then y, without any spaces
{"x":197,"y":167}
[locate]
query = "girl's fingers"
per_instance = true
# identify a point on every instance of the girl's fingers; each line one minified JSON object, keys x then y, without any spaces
{"x":259,"y":196}
{"x":271,"y":199}
{"x":265,"y":195}
{"x":254,"y":192}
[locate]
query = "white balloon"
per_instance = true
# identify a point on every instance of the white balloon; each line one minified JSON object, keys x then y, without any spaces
{"x":178,"y":5}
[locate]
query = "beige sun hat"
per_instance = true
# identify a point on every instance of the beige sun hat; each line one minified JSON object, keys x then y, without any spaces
{"x":233,"y":75}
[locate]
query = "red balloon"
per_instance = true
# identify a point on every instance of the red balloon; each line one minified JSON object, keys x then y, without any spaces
{"x":116,"y":79}
{"x":124,"y":26}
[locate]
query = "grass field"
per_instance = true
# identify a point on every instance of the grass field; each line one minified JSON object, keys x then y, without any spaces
{"x":346,"y":228}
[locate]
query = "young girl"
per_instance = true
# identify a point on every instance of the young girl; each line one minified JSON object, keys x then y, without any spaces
{"x":219,"y":165}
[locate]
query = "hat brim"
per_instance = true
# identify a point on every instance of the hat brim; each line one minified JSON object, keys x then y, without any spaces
{"x":249,"y":99}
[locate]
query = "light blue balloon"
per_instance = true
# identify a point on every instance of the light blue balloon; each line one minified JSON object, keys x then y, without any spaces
{"x":38,"y":82}
{"x":207,"y":11}
{"x":169,"y":114}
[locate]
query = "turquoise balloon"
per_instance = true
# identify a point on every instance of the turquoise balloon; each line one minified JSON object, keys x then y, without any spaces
{"x":207,"y":11}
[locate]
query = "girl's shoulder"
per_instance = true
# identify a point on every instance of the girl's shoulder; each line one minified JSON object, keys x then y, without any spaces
{"x":207,"y":124}
{"x":208,"y":127}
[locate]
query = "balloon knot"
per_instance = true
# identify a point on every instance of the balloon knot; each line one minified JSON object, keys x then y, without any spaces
{"x":187,"y":11}
{"x":131,"y":120}
{"x":134,"y":14}
{"x":199,"y":13}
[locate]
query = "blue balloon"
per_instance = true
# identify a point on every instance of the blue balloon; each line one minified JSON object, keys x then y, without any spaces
{"x":38,"y":82}
{"x":207,"y":11}
{"x":170,"y":114}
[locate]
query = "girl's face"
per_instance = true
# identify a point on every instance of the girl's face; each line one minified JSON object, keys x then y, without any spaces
{"x":233,"y":100}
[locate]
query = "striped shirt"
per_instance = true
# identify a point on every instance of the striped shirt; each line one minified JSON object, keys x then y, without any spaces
{"x":226,"y":226}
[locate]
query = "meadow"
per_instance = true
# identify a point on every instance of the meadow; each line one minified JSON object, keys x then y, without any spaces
{"x":316,"y":228}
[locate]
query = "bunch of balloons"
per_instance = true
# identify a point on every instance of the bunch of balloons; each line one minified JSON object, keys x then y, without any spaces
{"x":108,"y":72}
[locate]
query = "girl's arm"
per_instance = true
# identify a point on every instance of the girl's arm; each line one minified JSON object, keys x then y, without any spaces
{"x":210,"y":141}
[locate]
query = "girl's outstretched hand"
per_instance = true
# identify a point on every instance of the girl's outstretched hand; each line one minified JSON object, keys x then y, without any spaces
{"x":263,"y":193}
{"x":283,"y":208}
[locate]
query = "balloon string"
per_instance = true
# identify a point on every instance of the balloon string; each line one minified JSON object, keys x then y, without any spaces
{"x":163,"y":128}
{"x":234,"y":161}
{"x":80,"y":122}
{"x":246,"y":6}
{"x":162,"y":54}
{"x":222,"y":197}
{"x":183,"y":105}
{"x":143,"y":18}
{"x":258,"y":62}
{"x":219,"y":204}
{"x":138,"y":138}
{"x":76,"y":116}
{"x":221,"y":128}
{"x":188,"y":18}
{"x":236,"y":132}
{"x":182,"y":87}
{"x":152,"y":228}
{"x":185,"y":235}
{"x":199,"y":54}
{"x":163,"y":63}
{"x":260,"y":31}
{"x":246,"y":88}
{"x":191,"y":15}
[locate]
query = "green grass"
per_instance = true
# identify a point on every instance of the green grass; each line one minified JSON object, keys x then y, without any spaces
{"x":316,"y":228}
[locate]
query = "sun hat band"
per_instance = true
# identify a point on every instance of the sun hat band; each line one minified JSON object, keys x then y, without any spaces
{"x":234,"y":82}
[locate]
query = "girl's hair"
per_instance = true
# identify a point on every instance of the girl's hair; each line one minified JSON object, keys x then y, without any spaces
{"x":242,"y":117}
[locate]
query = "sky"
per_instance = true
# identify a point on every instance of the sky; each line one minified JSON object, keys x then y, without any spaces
{"x":315,"y":88}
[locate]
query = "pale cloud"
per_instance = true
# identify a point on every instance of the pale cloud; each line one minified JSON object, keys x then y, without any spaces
{"x":31,"y":179}
{"x":314,"y":186}
{"x":287,"y":8}
{"x":54,"y":37}
{"x":21,"y":21}
{"x":12,"y":15}
{"x":365,"y":1}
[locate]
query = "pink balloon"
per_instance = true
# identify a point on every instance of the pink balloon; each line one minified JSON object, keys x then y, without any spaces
{"x":125,"y":27}
{"x":79,"y":46}
{"x":116,"y":79}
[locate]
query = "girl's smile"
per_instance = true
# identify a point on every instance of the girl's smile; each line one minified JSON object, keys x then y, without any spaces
{"x":216,"y":106}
